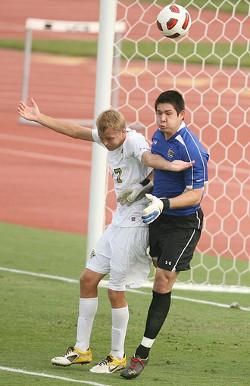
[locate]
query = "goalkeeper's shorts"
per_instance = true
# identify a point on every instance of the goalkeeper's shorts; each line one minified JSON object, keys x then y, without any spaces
{"x":173,"y":240}
{"x":122,"y":252}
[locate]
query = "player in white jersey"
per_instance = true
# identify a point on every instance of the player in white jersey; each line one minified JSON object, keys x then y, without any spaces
{"x":121,"y":251}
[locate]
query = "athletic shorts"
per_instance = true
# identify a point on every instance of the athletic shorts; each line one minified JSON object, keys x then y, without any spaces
{"x":173,"y":239}
{"x":122,"y":253}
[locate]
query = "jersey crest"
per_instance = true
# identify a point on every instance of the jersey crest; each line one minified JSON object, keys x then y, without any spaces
{"x":170,"y":153}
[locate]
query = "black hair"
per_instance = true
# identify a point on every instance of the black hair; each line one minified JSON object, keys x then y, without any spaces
{"x":174,"y":98}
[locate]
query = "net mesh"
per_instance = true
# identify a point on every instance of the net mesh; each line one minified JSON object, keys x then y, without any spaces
{"x":210,"y":67}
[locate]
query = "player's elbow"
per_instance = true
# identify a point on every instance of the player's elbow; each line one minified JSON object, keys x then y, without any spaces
{"x":147,"y":158}
{"x":197,"y":196}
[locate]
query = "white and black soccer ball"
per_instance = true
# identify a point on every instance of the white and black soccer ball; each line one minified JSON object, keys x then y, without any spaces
{"x":174,"y":21}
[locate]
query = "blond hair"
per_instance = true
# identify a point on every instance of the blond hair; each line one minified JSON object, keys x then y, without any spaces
{"x":110,"y":119}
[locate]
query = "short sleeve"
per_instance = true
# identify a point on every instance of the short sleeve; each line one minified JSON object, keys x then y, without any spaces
{"x":96,"y":138}
{"x":197,"y":175}
{"x":136,"y":145}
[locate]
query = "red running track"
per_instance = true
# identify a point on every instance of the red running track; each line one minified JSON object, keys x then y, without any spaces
{"x":45,"y":177}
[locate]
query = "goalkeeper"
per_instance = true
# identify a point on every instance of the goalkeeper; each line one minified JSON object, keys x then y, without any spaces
{"x":174,"y":215}
{"x":121,"y":252}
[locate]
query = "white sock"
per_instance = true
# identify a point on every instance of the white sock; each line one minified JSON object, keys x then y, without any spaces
{"x":120,"y":317}
{"x":147,"y":342}
{"x":87,"y":311}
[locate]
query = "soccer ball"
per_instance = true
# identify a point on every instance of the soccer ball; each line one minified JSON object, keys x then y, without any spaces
{"x":174,"y":21}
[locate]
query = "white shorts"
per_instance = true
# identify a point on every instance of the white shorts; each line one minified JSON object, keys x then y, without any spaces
{"x":122,"y":252}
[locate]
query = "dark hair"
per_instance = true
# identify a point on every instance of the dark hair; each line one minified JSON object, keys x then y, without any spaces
{"x":173,"y":97}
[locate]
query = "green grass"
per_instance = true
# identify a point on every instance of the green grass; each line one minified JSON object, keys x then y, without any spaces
{"x":219,"y":54}
{"x":199,"y":345}
{"x":239,"y":6}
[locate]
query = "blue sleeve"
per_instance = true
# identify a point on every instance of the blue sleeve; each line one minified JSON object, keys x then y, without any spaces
{"x":197,"y":175}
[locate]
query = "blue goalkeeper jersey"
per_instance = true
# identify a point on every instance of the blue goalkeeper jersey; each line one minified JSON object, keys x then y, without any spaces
{"x":185,"y":146}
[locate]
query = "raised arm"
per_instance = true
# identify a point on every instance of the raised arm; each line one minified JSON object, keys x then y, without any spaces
{"x":157,"y":162}
{"x":32,"y":113}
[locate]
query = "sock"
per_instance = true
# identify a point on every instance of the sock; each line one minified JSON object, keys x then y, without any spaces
{"x":87,"y":311}
{"x":120,"y":317}
{"x":157,"y":314}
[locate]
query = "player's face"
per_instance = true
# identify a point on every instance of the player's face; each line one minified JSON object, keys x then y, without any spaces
{"x":112,"y":139}
{"x":167,"y":119}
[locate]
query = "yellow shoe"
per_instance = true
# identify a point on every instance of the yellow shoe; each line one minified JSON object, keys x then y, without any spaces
{"x":109,"y":365}
{"x":73,"y":356}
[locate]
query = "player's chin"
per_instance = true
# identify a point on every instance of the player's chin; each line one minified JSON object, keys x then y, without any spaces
{"x":110,"y":147}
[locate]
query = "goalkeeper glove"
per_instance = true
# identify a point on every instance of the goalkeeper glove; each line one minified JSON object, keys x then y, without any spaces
{"x":154,"y":208}
{"x":128,"y":196}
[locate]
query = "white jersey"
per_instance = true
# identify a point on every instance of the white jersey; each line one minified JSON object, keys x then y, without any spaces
{"x":127,"y":170}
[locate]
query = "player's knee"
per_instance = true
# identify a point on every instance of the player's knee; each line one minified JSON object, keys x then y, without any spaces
{"x":117,"y":298}
{"x":87,"y":281}
{"x":164,"y":281}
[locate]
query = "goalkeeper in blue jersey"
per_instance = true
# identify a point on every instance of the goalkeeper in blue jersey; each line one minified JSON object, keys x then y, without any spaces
{"x":174,"y":215}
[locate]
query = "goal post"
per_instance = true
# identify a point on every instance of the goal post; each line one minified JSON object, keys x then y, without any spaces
{"x":98,"y":182}
{"x":108,"y":60}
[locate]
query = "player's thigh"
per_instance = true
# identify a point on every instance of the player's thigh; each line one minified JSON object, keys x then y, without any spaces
{"x":129,"y":256}
{"x":176,"y":248}
{"x":100,"y":257}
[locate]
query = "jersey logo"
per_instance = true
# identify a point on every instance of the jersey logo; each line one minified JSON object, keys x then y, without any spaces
{"x":170,"y":153}
{"x":155,"y":141}
{"x":92,"y":253}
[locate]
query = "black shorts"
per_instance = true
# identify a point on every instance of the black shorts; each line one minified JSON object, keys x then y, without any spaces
{"x":173,"y":239}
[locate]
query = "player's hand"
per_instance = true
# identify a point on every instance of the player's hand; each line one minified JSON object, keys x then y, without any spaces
{"x":30,"y":113}
{"x":178,"y":165}
{"x":122,"y":197}
{"x":129,"y":196}
{"x":139,"y":192}
{"x":153,"y":210}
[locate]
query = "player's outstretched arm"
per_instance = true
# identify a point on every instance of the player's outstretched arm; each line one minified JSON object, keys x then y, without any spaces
{"x":157,"y":162}
{"x":32,"y":113}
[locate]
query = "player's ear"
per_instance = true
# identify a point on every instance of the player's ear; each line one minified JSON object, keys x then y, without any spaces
{"x":182,"y":114}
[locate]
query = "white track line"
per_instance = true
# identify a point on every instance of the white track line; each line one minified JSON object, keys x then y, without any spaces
{"x":40,"y":156}
{"x":84,"y":146}
{"x":44,"y":375}
{"x":104,"y":284}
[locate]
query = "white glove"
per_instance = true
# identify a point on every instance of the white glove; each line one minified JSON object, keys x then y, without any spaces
{"x":128,"y":196}
{"x":153,"y":210}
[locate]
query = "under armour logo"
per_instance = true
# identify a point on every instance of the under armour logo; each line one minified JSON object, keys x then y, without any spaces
{"x":167,"y":262}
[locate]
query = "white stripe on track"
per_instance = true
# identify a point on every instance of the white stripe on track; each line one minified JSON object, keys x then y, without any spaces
{"x":84,"y":146}
{"x":44,"y":375}
{"x":104,"y":284}
{"x":40,"y":156}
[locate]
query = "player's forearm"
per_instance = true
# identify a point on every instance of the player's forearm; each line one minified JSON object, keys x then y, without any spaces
{"x":189,"y":198}
{"x":63,"y":127}
{"x":156,"y":161}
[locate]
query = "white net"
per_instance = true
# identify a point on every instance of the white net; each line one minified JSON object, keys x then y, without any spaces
{"x":210,"y":67}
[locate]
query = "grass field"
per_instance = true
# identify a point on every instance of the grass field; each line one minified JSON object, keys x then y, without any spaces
{"x":200,"y":345}
{"x":225,"y":54}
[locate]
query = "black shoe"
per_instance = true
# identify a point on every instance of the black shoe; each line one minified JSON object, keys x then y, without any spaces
{"x":135,"y":368}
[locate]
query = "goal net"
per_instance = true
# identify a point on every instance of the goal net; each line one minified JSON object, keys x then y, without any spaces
{"x":210,"y":67}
